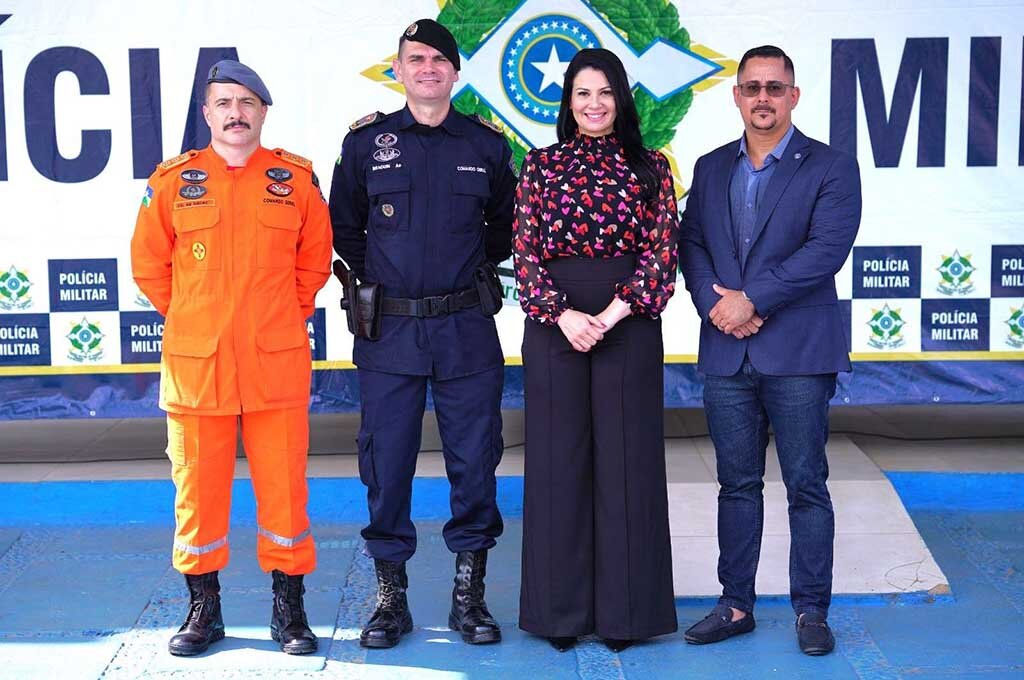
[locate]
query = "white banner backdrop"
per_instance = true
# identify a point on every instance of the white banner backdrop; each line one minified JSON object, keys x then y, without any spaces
{"x":927,"y":94}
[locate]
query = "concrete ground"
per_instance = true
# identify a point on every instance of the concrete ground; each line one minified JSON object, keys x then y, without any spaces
{"x":87,"y":590}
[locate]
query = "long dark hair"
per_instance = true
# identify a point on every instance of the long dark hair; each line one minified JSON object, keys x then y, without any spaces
{"x":627,"y":122}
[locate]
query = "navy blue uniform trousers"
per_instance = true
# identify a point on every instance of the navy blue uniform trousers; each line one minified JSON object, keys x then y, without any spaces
{"x":468,"y":413}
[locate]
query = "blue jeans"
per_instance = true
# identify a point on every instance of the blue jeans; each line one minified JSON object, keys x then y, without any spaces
{"x":739,"y":410}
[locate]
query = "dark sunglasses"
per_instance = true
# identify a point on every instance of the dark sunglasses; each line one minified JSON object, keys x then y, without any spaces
{"x":774,"y":88}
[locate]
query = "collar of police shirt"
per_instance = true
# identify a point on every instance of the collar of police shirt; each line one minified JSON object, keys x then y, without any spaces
{"x":452,"y":123}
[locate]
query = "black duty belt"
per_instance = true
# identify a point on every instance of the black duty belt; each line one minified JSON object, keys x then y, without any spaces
{"x":438,"y":305}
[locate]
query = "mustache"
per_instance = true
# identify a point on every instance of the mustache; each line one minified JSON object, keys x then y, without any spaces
{"x":237,"y":123}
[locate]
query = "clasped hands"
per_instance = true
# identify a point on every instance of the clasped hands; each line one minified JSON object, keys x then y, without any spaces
{"x":734,"y":314}
{"x":583,"y":331}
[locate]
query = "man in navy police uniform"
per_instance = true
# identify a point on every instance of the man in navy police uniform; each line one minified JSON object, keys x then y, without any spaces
{"x":421,"y":198}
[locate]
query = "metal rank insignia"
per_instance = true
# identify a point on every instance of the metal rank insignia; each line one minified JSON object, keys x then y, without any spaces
{"x":199,"y":251}
{"x":388,"y":210}
{"x":386,"y":152}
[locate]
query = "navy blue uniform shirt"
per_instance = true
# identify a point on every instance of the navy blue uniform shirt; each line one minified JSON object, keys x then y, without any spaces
{"x":418,"y":209}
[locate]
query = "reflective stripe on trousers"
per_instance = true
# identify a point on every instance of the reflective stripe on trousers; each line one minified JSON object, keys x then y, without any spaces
{"x":201,"y":549}
{"x":281,"y":540}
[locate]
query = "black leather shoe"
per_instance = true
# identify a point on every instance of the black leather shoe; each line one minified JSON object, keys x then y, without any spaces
{"x":717,"y":626}
{"x":391,"y":620}
{"x":469,"y":615}
{"x":203,"y":624}
{"x":288,"y":624}
{"x":814,"y":635}
{"x":617,"y":645}
{"x":562,"y":644}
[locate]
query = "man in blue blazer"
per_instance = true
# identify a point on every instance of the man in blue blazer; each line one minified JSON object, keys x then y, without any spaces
{"x":769,"y":221}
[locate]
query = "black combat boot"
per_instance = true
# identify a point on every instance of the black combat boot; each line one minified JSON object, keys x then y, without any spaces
{"x":391,"y":620}
{"x":204,"y":624}
{"x":288,"y":624}
{"x":469,"y":613}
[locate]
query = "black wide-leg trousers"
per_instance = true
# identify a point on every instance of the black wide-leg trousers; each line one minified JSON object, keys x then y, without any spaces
{"x":597,"y":556}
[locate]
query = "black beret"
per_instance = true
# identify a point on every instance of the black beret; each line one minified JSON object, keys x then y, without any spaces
{"x":429,"y":32}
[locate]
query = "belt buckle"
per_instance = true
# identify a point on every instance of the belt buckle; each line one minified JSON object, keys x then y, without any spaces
{"x":440,"y":305}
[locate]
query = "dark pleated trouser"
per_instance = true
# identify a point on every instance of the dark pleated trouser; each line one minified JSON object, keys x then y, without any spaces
{"x":597,"y":555}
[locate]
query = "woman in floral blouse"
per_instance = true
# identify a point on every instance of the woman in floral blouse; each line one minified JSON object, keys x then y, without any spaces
{"x":595,"y":263}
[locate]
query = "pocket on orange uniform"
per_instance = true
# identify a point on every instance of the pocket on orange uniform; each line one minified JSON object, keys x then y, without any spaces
{"x":198,"y":241}
{"x":285,"y":362}
{"x":188,"y":372}
{"x":277,"y":235}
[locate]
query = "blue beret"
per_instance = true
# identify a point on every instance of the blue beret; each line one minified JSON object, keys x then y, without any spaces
{"x":429,"y":32}
{"x":231,"y":71}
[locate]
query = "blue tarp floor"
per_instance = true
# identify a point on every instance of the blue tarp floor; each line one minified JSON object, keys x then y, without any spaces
{"x":100,"y":602}
{"x":84,"y":594}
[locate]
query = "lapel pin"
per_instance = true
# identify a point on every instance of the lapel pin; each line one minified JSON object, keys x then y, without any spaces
{"x":796,"y":156}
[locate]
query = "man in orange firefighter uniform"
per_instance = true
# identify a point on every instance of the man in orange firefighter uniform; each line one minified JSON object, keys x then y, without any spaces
{"x":231,"y":245}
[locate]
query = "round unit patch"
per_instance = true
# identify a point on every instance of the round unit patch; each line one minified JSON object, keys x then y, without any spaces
{"x":534,"y":62}
{"x":194,"y":175}
{"x":279,"y":189}
{"x":199,"y":251}
{"x":388,"y":210}
{"x":192,"y":191}
{"x":279,"y":174}
{"x":386,"y":154}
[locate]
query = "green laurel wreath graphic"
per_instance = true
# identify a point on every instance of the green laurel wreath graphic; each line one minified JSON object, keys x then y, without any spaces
{"x":5,"y":291}
{"x":895,"y":316}
{"x":77,"y":344}
{"x":644,"y":21}
{"x":641,"y":22}
{"x":1015,"y":328}
{"x":949,"y":278}
{"x":74,"y":337}
{"x":944,"y":270}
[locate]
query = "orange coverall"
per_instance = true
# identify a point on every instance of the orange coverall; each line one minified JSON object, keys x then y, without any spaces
{"x":233,"y":258}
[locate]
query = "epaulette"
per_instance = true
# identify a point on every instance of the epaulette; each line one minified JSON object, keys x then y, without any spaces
{"x":490,"y":125}
{"x":176,"y":161}
{"x":368,"y":119}
{"x":294,"y":159}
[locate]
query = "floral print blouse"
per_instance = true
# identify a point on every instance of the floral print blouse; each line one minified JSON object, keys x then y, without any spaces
{"x":580,"y":199}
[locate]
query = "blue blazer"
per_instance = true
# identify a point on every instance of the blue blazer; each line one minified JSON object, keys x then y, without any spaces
{"x":806,"y":224}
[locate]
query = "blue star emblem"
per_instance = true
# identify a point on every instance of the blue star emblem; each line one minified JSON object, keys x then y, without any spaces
{"x":532,"y":47}
{"x":534,"y":62}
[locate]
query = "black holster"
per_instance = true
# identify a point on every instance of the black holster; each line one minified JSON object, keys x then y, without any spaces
{"x":361,"y":302}
{"x":364,"y":320}
{"x":488,"y":285}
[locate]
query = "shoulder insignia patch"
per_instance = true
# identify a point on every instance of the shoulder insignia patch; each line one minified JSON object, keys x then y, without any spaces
{"x":176,"y":161}
{"x":368,"y":119}
{"x":316,"y":183}
{"x":490,"y":125}
{"x":294,"y":159}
